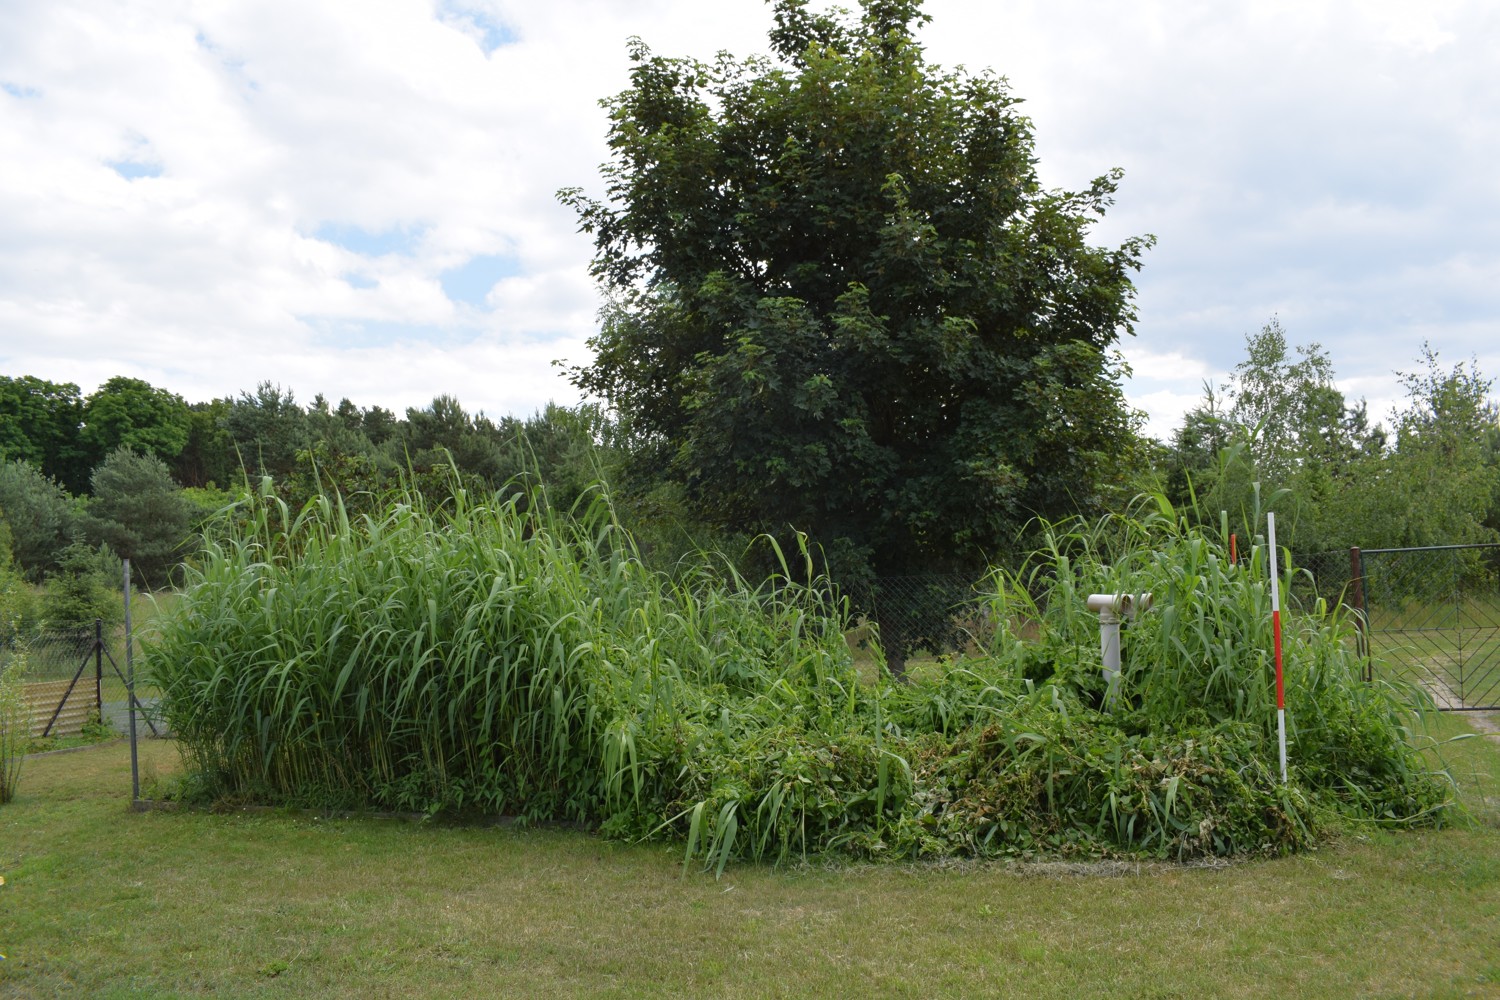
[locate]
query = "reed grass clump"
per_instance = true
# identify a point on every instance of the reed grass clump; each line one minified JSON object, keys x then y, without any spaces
{"x":492,"y":655}
{"x":496,"y":657}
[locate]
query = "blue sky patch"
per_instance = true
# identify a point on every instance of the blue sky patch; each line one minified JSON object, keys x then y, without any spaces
{"x":493,"y":34}
{"x":488,"y":32}
{"x":132,"y":170}
{"x":360,"y":281}
{"x":360,"y":241}
{"x":472,"y":281}
{"x":16,"y":90}
{"x":233,"y":64}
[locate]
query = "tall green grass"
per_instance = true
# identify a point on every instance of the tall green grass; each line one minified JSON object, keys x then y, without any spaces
{"x":15,"y":724}
{"x":493,"y":655}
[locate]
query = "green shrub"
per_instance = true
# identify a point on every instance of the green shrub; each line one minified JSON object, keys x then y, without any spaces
{"x":18,"y":603}
{"x":84,"y":588}
{"x":40,"y":516}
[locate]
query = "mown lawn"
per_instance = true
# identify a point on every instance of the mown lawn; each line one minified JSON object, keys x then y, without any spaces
{"x":99,"y":901}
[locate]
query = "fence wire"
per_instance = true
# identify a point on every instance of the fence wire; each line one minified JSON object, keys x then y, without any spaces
{"x":933,"y":614}
{"x":1433,"y":617}
{"x":73,"y":676}
{"x":1323,"y":575}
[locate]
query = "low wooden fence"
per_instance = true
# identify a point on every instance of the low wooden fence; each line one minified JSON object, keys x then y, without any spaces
{"x":72,"y":676}
{"x":52,"y":702}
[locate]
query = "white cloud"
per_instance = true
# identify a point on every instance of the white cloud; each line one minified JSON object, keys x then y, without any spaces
{"x":1164,"y":409}
{"x":1328,"y":161}
{"x":1171,"y":366}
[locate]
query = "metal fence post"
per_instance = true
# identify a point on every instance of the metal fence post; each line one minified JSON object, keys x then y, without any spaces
{"x":99,"y":668}
{"x":135,"y":765}
{"x":1357,"y":598}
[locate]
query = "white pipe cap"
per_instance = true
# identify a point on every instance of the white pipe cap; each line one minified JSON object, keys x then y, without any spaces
{"x":1120,"y":604}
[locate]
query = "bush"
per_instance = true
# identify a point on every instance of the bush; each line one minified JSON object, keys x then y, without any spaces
{"x":17,"y":599}
{"x":83,"y":589}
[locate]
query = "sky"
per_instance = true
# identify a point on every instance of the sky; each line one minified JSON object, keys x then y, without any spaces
{"x":358,"y":199}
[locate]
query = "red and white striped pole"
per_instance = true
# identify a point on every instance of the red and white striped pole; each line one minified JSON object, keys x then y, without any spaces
{"x":1276,"y":633}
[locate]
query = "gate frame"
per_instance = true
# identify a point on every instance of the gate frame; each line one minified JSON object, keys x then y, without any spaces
{"x":96,"y":652}
{"x":1362,"y":610}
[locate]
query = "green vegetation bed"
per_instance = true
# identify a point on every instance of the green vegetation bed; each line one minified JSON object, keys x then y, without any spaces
{"x":493,"y":657}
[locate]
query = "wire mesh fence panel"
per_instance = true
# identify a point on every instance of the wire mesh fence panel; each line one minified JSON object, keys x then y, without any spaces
{"x":933,"y":614}
{"x":1324,"y":576}
{"x":73,"y":677}
{"x":1433,"y":617}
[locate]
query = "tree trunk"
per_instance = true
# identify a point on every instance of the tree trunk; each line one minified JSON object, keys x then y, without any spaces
{"x":892,"y":642}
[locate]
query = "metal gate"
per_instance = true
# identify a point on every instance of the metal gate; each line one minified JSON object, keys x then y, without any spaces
{"x":1432,"y":616}
{"x":71,"y":678}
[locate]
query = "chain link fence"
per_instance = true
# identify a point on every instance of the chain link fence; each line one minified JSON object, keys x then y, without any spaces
{"x":73,"y":678}
{"x":1323,"y":575}
{"x":933,"y":614}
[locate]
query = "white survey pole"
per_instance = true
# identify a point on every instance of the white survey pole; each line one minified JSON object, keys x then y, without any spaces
{"x":1276,"y":640}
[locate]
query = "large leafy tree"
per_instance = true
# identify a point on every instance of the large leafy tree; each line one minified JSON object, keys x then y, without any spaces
{"x":132,"y":413}
{"x":840,"y":299}
{"x":209,"y":456}
{"x":39,"y":423}
{"x":1288,"y":433}
{"x":1281,"y":430}
{"x":1444,"y":467}
{"x":1291,"y":410}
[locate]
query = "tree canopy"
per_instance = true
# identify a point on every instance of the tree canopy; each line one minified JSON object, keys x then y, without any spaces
{"x":39,"y":423}
{"x":841,"y":300}
{"x":138,"y":510}
{"x":1446,"y":460}
{"x":131,"y":413}
{"x":40,"y":517}
{"x":1282,"y":427}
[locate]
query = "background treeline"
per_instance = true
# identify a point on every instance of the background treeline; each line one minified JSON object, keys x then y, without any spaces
{"x":132,"y":470}
{"x":67,"y":436}
{"x":1282,"y":429}
{"x":135,"y":471}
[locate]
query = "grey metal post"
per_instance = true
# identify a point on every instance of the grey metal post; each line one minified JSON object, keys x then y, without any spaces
{"x":99,"y":668}
{"x":1357,"y":601}
{"x":135,"y":764}
{"x":1112,"y":608}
